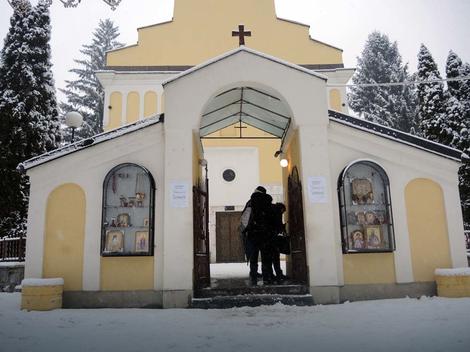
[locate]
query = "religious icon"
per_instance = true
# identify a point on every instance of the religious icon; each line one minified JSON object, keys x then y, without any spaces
{"x":114,"y":241}
{"x":361,"y":218}
{"x":381,"y":217}
{"x":123,"y":220}
{"x":352,"y":219}
{"x":374,"y":237}
{"x":371,"y":218}
{"x":362,"y":192}
{"x":139,"y":199}
{"x":146,"y":222}
{"x":132,"y":202}
{"x":113,"y":222}
{"x":123,"y":201}
{"x":141,"y":241}
{"x":357,"y":239}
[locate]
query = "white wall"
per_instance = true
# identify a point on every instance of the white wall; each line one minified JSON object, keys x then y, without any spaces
{"x":244,"y":161}
{"x":402,"y":163}
{"x":88,"y":168}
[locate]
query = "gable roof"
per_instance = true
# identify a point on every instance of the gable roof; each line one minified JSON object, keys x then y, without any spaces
{"x":249,"y":51}
{"x":89,"y":142}
{"x":397,"y":136}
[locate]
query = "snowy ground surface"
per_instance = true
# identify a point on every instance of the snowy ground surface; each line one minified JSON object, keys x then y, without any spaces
{"x":427,"y":324}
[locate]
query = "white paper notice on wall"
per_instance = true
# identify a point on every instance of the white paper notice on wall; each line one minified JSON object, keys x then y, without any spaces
{"x":179,"y":194}
{"x":317,"y":189}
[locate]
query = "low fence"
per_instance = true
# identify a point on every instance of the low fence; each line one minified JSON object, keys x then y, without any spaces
{"x":12,"y":249}
{"x":467,"y":239}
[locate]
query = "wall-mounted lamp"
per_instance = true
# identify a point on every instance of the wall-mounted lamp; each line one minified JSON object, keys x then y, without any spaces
{"x":284,"y":162}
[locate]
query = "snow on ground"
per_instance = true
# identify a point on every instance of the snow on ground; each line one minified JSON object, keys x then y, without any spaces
{"x":427,"y":324}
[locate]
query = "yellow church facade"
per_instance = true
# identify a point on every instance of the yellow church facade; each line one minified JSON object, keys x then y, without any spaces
{"x":372,"y":211}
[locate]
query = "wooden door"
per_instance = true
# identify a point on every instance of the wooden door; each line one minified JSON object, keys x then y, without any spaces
{"x":228,"y":241}
{"x":201,"y":274}
{"x":296,"y":228}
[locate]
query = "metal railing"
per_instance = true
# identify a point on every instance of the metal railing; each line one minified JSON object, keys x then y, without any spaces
{"x":12,"y":249}
{"x":467,"y":239}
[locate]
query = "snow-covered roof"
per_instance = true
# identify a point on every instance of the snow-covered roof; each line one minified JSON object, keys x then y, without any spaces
{"x":250,"y":51}
{"x":397,"y":136}
{"x":89,"y":142}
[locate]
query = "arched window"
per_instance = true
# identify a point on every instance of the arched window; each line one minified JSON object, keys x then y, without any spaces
{"x":128,"y":208}
{"x":365,"y":209}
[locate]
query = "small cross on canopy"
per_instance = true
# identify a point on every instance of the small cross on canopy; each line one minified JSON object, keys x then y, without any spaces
{"x":241,"y":34}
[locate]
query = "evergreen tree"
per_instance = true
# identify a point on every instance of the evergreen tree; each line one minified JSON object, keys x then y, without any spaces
{"x":432,"y":100}
{"x":393,"y":106}
{"x":458,"y":113}
{"x":29,"y":123}
{"x":454,"y":70}
{"x":85,"y":94}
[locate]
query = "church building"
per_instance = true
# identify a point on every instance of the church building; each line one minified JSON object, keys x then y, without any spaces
{"x":198,"y":113}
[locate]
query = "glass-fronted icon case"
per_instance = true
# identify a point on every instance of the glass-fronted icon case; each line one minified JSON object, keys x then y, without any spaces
{"x":366,"y":211}
{"x":128,"y":212}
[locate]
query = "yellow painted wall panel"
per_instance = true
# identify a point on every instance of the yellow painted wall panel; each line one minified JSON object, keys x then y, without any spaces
{"x":65,"y":235}
{"x":370,"y":268}
{"x":202,"y":29}
{"x":335,"y":100}
{"x":133,"y":107}
{"x":115,"y":111}
{"x":427,"y":228}
{"x":150,"y":104}
{"x":127,"y":273}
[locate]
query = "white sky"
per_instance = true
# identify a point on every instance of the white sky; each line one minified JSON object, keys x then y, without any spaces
{"x":440,"y":24}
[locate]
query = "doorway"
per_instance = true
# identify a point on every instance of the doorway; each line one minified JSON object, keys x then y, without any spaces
{"x":243,"y":132}
{"x":228,"y":240}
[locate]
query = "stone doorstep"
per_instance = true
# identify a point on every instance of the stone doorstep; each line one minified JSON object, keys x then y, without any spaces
{"x":255,"y":290}
{"x":251,"y":300}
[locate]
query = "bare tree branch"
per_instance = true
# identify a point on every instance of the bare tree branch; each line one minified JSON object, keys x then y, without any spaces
{"x":74,"y":3}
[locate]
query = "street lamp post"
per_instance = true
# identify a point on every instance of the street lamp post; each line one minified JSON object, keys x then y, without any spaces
{"x":73,"y":120}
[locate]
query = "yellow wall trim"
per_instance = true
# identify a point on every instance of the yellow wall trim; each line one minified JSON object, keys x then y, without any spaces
{"x":115,"y":111}
{"x":133,"y":107}
{"x":127,"y":273}
{"x":335,"y":100}
{"x":150,"y":104}
{"x":369,"y":268}
{"x":65,"y":235}
{"x":427,"y":228}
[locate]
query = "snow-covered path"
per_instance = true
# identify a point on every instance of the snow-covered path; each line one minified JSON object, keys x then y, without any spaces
{"x":428,"y":324}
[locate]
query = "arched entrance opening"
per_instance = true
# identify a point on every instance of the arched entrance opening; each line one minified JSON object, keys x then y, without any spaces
{"x":245,"y":131}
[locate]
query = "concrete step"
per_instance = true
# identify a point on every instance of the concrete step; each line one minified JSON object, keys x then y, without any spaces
{"x":251,"y":300}
{"x":287,"y":289}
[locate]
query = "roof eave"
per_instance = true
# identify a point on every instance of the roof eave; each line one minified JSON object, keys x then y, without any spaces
{"x":89,"y":142}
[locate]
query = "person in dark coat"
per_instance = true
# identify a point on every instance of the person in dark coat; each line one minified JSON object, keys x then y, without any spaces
{"x":259,"y":234}
{"x":278,"y":227}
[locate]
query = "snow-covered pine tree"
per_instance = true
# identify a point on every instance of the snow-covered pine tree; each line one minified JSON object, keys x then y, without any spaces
{"x":432,"y":100}
{"x":454,"y":70}
{"x":74,"y":3}
{"x":458,"y":113}
{"x":393,"y":106}
{"x":29,"y":123}
{"x":85,"y":94}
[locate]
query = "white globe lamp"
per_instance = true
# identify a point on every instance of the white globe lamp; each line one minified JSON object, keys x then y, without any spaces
{"x":73,"y":120}
{"x":284,"y":162}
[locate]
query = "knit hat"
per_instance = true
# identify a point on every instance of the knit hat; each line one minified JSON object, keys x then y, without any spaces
{"x":260,"y":189}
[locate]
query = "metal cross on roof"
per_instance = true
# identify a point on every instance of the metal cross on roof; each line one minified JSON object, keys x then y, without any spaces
{"x":241,"y":34}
